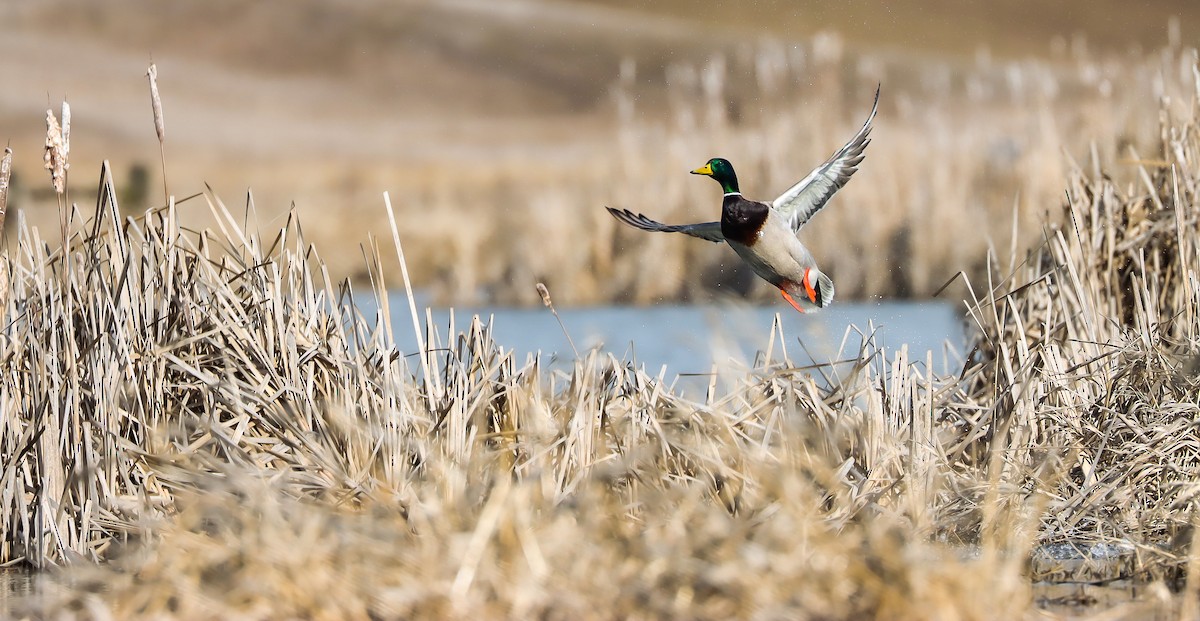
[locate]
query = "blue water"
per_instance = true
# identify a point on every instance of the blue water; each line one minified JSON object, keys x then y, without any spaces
{"x":690,"y":339}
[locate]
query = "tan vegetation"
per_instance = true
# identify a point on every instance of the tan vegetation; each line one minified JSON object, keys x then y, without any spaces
{"x":1016,"y":28}
{"x":204,"y":425}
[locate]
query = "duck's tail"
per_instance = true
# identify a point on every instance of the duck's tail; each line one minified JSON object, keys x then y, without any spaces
{"x":824,"y":289}
{"x":815,"y":292}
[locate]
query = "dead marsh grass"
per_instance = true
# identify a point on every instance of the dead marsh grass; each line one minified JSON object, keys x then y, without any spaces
{"x":201,"y":424}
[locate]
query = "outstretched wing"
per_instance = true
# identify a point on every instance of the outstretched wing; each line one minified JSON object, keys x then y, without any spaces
{"x":807,"y":197}
{"x":704,"y":230}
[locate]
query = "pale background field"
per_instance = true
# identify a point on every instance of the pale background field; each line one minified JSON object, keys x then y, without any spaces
{"x":503,"y":128}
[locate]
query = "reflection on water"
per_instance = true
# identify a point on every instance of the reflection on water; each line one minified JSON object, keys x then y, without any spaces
{"x":16,"y":585}
{"x":689,"y":339}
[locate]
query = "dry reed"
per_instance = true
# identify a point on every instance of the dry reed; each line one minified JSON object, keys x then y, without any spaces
{"x":160,"y":127}
{"x":5,"y":179}
{"x":57,"y":148}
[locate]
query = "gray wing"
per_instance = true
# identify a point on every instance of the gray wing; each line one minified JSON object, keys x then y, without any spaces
{"x":704,"y":230}
{"x":807,"y":197}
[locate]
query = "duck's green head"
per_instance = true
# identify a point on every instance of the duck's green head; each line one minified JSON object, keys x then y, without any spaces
{"x":720,"y":169}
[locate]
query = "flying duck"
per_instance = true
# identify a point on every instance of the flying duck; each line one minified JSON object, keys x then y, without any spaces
{"x":764,"y":234}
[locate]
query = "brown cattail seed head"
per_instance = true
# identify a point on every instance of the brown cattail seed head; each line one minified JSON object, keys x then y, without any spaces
{"x":56,"y":153}
{"x":545,"y":293}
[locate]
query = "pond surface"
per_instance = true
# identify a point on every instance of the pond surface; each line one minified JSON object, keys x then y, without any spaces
{"x":690,"y":339}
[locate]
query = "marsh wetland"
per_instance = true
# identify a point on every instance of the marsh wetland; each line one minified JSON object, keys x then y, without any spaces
{"x":214,"y":409}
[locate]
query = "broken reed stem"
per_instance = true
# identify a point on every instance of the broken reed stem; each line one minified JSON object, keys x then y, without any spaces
{"x":5,"y":179}
{"x":160,"y":128}
{"x":412,"y":303}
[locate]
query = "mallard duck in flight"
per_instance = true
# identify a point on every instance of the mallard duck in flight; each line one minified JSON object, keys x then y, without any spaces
{"x":764,"y":234}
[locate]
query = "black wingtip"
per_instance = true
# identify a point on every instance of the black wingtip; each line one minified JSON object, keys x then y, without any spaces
{"x":624,"y":215}
{"x":621,"y":214}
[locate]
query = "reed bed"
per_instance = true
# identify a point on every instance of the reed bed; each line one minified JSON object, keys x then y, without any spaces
{"x":1091,"y":344}
{"x":205,"y":424}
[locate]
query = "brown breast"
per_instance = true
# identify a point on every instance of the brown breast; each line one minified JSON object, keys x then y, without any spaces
{"x":741,"y":220}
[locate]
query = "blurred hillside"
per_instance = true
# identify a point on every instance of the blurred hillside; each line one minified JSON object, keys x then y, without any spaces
{"x":1011,"y":28}
{"x":479,"y":116}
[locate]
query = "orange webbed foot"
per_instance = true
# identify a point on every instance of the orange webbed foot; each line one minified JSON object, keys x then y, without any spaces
{"x":790,"y":300}
{"x":808,"y":288}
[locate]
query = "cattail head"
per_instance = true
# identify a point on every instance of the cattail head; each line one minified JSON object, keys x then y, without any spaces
{"x":159,"y":126}
{"x":56,"y":153}
{"x":5,"y":177}
{"x":545,"y":293}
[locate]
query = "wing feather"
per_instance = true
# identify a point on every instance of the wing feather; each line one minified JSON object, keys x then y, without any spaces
{"x":807,"y":197}
{"x":704,"y":230}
